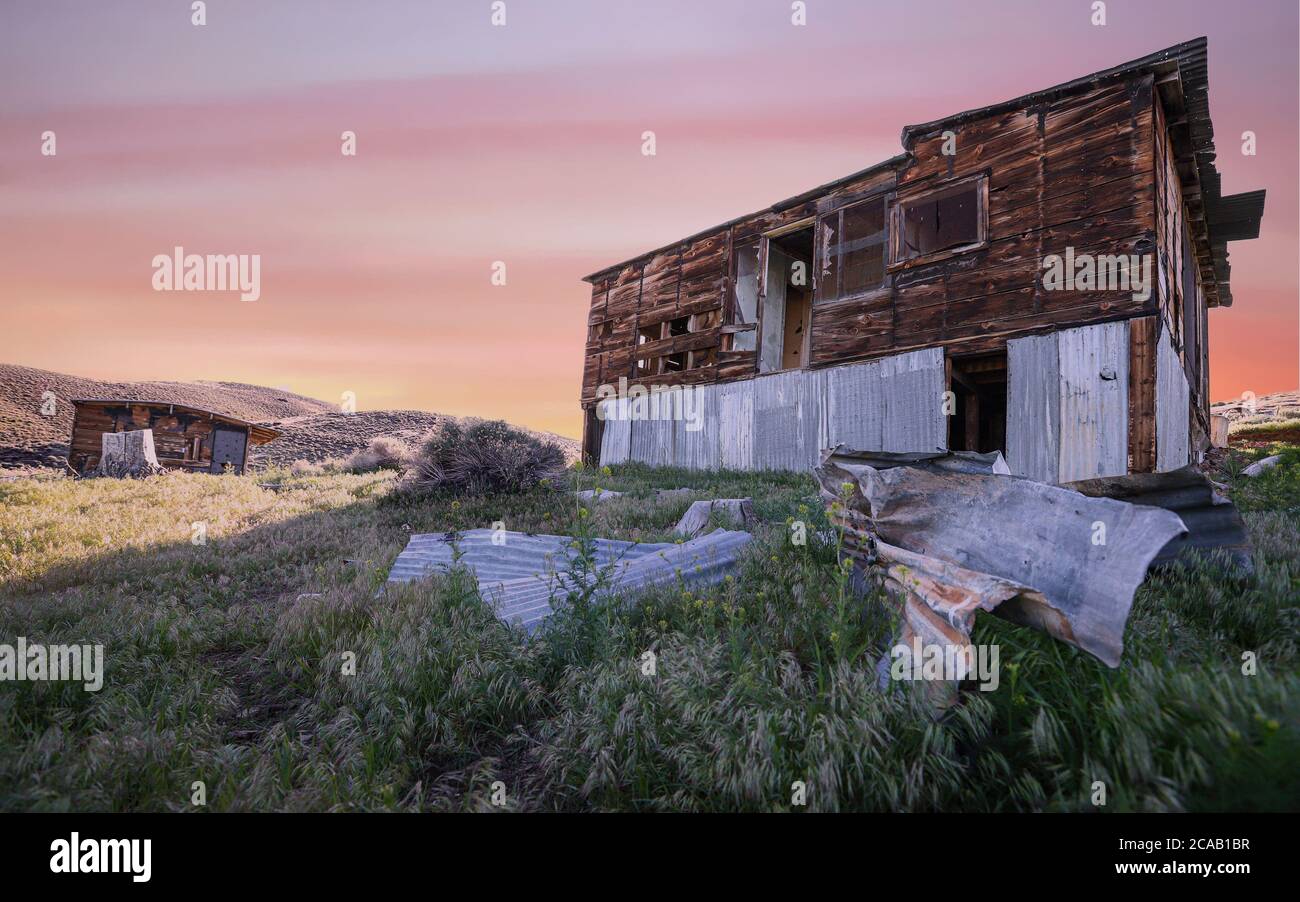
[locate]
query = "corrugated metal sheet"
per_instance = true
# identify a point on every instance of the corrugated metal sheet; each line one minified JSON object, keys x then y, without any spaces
{"x":1213,"y":521}
{"x":954,"y":539}
{"x":736,"y":426}
{"x":616,"y":436}
{"x":1033,"y":407}
{"x":1093,"y":364}
{"x":524,"y":577}
{"x":1172,"y":410}
{"x":783,"y":421}
{"x":912,"y":387}
{"x":855,"y":409}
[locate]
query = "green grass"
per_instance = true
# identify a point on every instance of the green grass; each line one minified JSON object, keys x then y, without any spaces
{"x":227,"y":663}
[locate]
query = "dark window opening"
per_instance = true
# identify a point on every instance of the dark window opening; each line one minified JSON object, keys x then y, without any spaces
{"x":979,"y":416}
{"x":679,"y":326}
{"x":941,"y":220}
{"x":674,"y":363}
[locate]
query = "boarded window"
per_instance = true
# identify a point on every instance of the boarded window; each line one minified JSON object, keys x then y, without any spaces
{"x":942,"y":220}
{"x":852,"y":255}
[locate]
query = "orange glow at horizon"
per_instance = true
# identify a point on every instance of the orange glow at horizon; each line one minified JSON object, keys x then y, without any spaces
{"x":477,"y":145}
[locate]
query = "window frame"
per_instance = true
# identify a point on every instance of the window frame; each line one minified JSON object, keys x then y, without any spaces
{"x":886,"y":197}
{"x":898,"y":262}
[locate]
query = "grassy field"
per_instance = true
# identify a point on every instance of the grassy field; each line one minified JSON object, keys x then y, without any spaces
{"x":225,"y":663}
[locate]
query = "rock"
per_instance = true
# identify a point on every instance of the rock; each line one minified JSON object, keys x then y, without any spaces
{"x":696,"y":518}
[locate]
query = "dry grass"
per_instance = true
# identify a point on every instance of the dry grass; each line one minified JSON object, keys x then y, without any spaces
{"x":226,"y":663}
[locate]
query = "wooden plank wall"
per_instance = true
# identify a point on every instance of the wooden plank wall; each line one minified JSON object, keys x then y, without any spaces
{"x":1074,"y":172}
{"x":1171,"y":216}
{"x":171,"y":436}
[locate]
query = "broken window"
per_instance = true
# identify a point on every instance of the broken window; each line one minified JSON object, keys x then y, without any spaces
{"x":946,"y":219}
{"x":853,"y":250}
{"x":744,"y":307}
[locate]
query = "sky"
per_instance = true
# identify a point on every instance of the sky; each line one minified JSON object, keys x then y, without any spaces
{"x":520,"y":143}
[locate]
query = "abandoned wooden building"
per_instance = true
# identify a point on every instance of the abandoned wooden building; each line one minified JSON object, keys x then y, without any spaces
{"x":186,"y":438}
{"x":1031,"y":277}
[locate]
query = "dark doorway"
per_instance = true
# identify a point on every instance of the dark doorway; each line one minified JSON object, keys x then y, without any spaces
{"x":228,"y":448}
{"x":786,"y":310}
{"x":979,"y":419}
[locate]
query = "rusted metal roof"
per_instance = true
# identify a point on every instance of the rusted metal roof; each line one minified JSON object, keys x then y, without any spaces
{"x":525,"y":576}
{"x":258,"y":435}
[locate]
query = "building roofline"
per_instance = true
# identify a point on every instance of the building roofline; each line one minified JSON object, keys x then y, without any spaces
{"x":260,"y":434}
{"x":1184,"y":65}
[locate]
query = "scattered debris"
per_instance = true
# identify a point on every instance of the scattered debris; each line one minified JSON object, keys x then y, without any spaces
{"x":1260,"y":466}
{"x":124,"y":454}
{"x":525,"y":576}
{"x":951,"y":536}
{"x":1213,"y":521}
{"x":696,"y":518}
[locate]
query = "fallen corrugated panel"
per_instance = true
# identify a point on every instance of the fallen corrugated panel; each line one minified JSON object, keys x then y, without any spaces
{"x":523,"y":576}
{"x":953,"y":537}
{"x":1213,"y":521}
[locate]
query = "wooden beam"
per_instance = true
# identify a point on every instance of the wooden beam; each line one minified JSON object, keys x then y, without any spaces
{"x":1142,"y":395}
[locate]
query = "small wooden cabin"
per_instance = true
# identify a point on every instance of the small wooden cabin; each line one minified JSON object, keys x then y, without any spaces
{"x":185,"y":438}
{"x":908,"y":306}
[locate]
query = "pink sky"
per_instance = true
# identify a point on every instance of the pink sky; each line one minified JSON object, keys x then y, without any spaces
{"x":521,"y":144}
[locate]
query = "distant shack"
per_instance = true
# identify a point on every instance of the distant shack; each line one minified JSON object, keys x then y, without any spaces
{"x":185,"y":438}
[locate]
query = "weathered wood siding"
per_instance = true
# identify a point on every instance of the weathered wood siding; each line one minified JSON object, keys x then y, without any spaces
{"x":1076,"y":172}
{"x":173,"y":435}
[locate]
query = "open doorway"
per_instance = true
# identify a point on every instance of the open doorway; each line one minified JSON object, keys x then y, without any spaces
{"x":979,"y":420}
{"x":786,"y":315}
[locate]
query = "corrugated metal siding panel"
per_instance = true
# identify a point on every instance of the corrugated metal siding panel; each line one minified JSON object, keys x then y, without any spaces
{"x":1033,"y":407}
{"x":783,"y":421}
{"x":699,"y":450}
{"x":778,"y":421}
{"x":616,"y":434}
{"x":854,"y":407}
{"x":1094,"y":411}
{"x":736,"y":426}
{"x":1172,"y":411}
{"x":913,"y":386}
